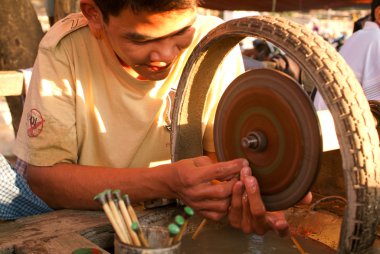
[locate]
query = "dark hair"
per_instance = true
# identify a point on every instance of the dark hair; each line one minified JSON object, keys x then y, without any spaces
{"x":359,"y":24}
{"x":114,"y":7}
{"x":263,"y":49}
{"x":374,"y":5}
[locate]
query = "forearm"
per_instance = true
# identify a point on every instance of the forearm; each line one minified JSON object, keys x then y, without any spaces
{"x":74,"y":186}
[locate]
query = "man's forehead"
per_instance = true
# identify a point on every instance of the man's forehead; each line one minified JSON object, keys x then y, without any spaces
{"x":154,"y":25}
{"x":148,"y":35}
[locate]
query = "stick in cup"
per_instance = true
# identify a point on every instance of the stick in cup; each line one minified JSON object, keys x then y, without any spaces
{"x":173,"y":231}
{"x":101,"y":197}
{"x":188,"y":213}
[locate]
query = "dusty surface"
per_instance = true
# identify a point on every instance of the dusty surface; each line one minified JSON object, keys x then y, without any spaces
{"x":321,"y":226}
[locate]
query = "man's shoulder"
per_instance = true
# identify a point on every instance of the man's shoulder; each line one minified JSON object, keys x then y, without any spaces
{"x":362,"y":39}
{"x":371,"y":25}
{"x":71,"y":23}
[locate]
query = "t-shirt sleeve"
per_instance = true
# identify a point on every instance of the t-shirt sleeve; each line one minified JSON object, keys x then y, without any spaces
{"x":47,"y":132}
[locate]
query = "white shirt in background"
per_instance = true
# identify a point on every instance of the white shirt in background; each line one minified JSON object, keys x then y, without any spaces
{"x":362,"y":53}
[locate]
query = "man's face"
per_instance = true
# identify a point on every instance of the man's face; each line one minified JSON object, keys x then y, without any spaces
{"x":148,"y":44}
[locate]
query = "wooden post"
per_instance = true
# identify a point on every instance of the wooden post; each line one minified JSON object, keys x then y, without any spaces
{"x":21,"y":33}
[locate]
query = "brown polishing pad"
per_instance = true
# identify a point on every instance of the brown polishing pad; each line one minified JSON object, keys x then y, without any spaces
{"x":267,"y":118}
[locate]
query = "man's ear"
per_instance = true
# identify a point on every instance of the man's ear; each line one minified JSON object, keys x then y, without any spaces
{"x":377,"y":15}
{"x":94,"y":16}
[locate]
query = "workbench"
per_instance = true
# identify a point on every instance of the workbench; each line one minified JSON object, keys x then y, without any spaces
{"x":13,"y":86}
{"x":11,"y":83}
{"x":64,"y":231}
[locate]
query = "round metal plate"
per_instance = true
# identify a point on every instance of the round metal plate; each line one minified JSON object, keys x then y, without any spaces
{"x":270,"y":103}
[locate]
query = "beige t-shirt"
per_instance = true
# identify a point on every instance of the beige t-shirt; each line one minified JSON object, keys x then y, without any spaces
{"x":82,"y":107}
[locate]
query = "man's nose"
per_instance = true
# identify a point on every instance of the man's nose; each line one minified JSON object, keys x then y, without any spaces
{"x":165,"y":50}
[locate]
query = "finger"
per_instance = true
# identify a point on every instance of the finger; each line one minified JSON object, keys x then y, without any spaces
{"x":307,"y":199}
{"x":208,"y":190}
{"x":256,"y":205}
{"x":245,"y":171}
{"x":235,"y":213}
{"x":254,"y":197}
{"x":218,"y":171}
{"x":220,"y":205}
{"x":236,"y":176}
{"x":277,"y":222}
{"x":212,"y":215}
{"x":202,"y":161}
{"x":246,"y":218}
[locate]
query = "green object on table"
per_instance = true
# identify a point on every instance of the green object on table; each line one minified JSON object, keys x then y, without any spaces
{"x":179,"y":220}
{"x":135,"y":226}
{"x":189,"y":211}
{"x":173,"y":229}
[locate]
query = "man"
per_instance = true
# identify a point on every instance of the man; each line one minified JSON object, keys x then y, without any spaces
{"x":359,"y":23}
{"x":96,"y":112}
{"x":362,"y":53}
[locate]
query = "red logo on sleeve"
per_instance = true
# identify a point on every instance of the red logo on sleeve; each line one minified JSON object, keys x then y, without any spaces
{"x":35,"y":123}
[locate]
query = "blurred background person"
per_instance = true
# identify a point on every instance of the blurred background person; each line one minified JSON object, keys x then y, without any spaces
{"x":362,"y":53}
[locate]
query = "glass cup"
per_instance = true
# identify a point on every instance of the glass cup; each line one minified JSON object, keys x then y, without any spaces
{"x":157,"y":237}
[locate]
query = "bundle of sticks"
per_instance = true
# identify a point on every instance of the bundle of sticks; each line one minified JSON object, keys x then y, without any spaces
{"x":122,"y":216}
{"x":124,"y":221}
{"x":177,"y":229}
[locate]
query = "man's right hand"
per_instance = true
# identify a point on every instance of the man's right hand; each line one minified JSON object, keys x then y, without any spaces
{"x":248,"y":212}
{"x":195,"y":188}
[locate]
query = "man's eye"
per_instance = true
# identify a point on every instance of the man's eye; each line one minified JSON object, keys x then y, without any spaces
{"x":182,"y":31}
{"x":140,"y":42}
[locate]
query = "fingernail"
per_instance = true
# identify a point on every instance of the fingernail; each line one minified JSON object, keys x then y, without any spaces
{"x":245,"y":163}
{"x":283,"y":224}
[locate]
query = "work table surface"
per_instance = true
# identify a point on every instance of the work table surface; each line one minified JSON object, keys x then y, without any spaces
{"x":64,"y":231}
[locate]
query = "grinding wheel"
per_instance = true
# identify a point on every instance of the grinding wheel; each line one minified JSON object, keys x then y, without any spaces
{"x":344,"y":97}
{"x":265,"y":117}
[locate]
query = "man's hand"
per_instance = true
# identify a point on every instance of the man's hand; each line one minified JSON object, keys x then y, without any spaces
{"x":247,"y":211}
{"x":195,"y":188}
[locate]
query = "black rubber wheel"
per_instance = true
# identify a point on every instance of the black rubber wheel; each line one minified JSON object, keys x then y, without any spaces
{"x":339,"y":88}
